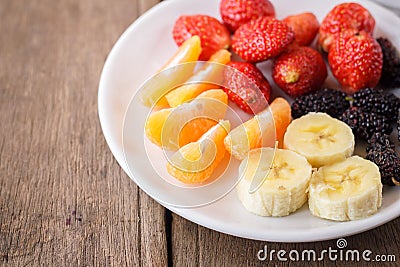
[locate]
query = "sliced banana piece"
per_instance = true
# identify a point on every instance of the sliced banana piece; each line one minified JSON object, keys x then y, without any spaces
{"x":284,"y":187}
{"x":347,"y":190}
{"x":320,"y":138}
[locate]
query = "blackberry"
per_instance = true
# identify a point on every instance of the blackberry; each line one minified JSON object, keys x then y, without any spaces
{"x":364,"y":124}
{"x":330,"y":101}
{"x":389,"y":165}
{"x":391,"y":64}
{"x":398,"y":127}
{"x":379,"y":141}
{"x":377,"y":101}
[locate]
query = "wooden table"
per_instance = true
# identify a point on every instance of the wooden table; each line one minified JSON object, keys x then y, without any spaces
{"x":64,"y":200}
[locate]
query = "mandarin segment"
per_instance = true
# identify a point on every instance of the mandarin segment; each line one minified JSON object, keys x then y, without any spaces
{"x":194,"y":129}
{"x":204,"y":79}
{"x":174,"y":127}
{"x":170,"y":75}
{"x":264,"y":129}
{"x":196,"y":161}
{"x":189,"y":51}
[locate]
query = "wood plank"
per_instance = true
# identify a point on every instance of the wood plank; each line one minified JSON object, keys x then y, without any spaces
{"x":153,"y":239}
{"x":154,"y":247}
{"x":63,"y":198}
{"x":216,"y":249}
{"x":144,"y":5}
{"x":184,"y":242}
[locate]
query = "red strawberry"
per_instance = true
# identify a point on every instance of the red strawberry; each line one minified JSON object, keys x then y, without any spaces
{"x":213,"y":34}
{"x":355,"y":59}
{"x":305,"y":27}
{"x":261,"y":39}
{"x":235,"y":13}
{"x":249,"y":89}
{"x":345,"y":16}
{"x":300,"y":70}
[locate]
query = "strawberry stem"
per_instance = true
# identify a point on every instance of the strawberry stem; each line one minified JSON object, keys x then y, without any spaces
{"x":292,"y":77}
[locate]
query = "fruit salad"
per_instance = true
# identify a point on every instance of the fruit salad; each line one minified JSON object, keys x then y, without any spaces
{"x":299,"y":145}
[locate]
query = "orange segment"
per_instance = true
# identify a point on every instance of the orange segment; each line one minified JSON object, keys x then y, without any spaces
{"x":170,"y":76}
{"x":189,"y":51}
{"x":194,"y":129}
{"x":262,"y":130}
{"x":196,"y":161}
{"x":172,"y":128}
{"x":209,"y":72}
{"x":161,"y":104}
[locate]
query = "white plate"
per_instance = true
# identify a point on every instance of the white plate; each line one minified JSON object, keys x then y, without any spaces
{"x":395,"y":4}
{"x":145,"y":46}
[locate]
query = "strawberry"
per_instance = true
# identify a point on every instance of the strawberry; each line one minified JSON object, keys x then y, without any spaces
{"x":305,"y":27}
{"x":344,"y":16}
{"x":213,"y":34}
{"x":300,"y":70}
{"x":235,"y":13}
{"x":261,"y":39}
{"x":355,"y":59}
{"x":249,"y":89}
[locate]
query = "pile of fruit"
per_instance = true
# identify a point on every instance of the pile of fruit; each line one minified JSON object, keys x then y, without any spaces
{"x":315,"y":135}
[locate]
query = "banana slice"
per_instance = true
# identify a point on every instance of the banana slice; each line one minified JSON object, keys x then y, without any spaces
{"x":320,"y":138}
{"x":347,"y":190}
{"x":286,"y":178}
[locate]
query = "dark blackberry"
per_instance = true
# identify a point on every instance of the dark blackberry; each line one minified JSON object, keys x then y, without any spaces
{"x":365,"y":124}
{"x":398,"y":127}
{"x":391,"y":64}
{"x":379,"y":141}
{"x":389,"y":165}
{"x":330,"y":101}
{"x":377,"y":101}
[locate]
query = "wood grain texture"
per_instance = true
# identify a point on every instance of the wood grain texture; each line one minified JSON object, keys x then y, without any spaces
{"x":205,"y":247}
{"x":144,"y":5}
{"x":64,"y":200}
{"x":185,"y":250}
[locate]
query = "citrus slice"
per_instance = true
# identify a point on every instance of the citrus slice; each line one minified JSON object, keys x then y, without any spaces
{"x":263,"y":130}
{"x":173,"y":73}
{"x":196,"y":161}
{"x":197,"y":84}
{"x":172,"y":128}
